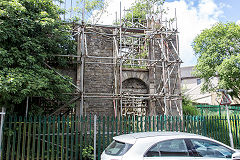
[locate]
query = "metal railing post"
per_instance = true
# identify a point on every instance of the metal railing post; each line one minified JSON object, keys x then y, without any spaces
{"x":1,"y":129}
{"x":95,"y":137}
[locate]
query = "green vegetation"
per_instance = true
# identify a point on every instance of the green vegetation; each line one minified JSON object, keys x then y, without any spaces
{"x":96,"y":6}
{"x":88,"y":153}
{"x":218,"y":50}
{"x":136,"y":17}
{"x":31,"y":34}
{"x":188,"y":107}
{"x":141,"y":8}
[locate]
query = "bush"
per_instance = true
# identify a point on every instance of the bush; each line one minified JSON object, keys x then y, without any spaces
{"x":88,"y":152}
{"x":188,"y":107}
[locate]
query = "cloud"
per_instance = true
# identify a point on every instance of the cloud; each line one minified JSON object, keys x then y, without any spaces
{"x":109,"y":16}
{"x":207,"y":9}
{"x":192,"y":18}
{"x":238,"y":22}
{"x":224,"y":5}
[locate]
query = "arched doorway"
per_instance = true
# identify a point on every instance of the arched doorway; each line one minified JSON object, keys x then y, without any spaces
{"x":136,"y":104}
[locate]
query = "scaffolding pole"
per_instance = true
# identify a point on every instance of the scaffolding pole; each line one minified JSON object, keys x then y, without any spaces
{"x":129,"y":44}
{"x":121,"y":60}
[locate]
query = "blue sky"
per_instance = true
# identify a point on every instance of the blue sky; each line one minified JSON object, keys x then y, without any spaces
{"x":231,"y":13}
{"x":230,"y":10}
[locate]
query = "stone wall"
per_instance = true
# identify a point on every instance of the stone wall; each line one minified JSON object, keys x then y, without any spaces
{"x":99,"y":76}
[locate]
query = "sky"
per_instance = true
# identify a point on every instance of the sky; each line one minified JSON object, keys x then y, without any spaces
{"x":193,"y":16}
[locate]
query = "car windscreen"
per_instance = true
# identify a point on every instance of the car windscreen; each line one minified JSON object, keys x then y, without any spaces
{"x":117,"y":148}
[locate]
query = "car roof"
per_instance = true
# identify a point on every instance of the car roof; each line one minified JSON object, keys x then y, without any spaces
{"x":132,"y":137}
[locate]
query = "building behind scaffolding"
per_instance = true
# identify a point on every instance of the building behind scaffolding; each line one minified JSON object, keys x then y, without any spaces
{"x":128,"y":69}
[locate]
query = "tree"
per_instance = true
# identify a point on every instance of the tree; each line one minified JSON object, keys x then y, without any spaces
{"x":139,"y":10}
{"x":137,"y":16}
{"x":92,"y":12}
{"x":31,"y":33}
{"x":188,"y":107}
{"x":218,"y":51}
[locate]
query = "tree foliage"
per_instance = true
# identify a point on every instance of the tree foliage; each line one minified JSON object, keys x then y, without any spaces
{"x":92,"y":12}
{"x":218,"y":51}
{"x":31,"y":33}
{"x":140,"y":9}
{"x":188,"y":107}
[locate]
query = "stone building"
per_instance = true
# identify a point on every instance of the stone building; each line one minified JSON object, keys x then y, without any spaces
{"x":127,"y":71}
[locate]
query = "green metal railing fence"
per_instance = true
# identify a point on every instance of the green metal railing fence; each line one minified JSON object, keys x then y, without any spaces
{"x":210,"y":109}
{"x":71,"y":137}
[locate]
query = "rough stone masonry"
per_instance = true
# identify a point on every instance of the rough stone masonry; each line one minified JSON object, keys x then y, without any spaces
{"x":110,"y":88}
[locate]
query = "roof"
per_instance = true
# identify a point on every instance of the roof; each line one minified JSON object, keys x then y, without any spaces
{"x":131,"y":138}
{"x":186,"y":72}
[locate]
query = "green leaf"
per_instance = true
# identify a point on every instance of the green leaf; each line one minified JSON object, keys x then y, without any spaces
{"x":218,"y":50}
{"x":31,"y":33}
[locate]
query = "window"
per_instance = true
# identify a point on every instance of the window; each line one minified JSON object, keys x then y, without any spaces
{"x":198,"y":81}
{"x":176,"y":147}
{"x":117,"y":148}
{"x":205,"y":148}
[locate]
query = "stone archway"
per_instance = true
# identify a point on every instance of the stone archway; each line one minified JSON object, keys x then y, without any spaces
{"x":134,"y":105}
{"x":141,"y":74}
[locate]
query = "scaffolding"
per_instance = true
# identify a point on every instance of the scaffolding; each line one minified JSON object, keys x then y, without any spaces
{"x":150,"y":47}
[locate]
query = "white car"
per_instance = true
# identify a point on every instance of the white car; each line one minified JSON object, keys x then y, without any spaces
{"x":167,"y":145}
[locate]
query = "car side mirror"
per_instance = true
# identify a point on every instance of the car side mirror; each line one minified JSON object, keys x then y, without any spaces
{"x":236,"y":156}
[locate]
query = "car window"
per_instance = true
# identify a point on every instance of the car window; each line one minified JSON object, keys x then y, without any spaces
{"x":176,"y":147}
{"x":117,"y":148}
{"x":205,"y":148}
